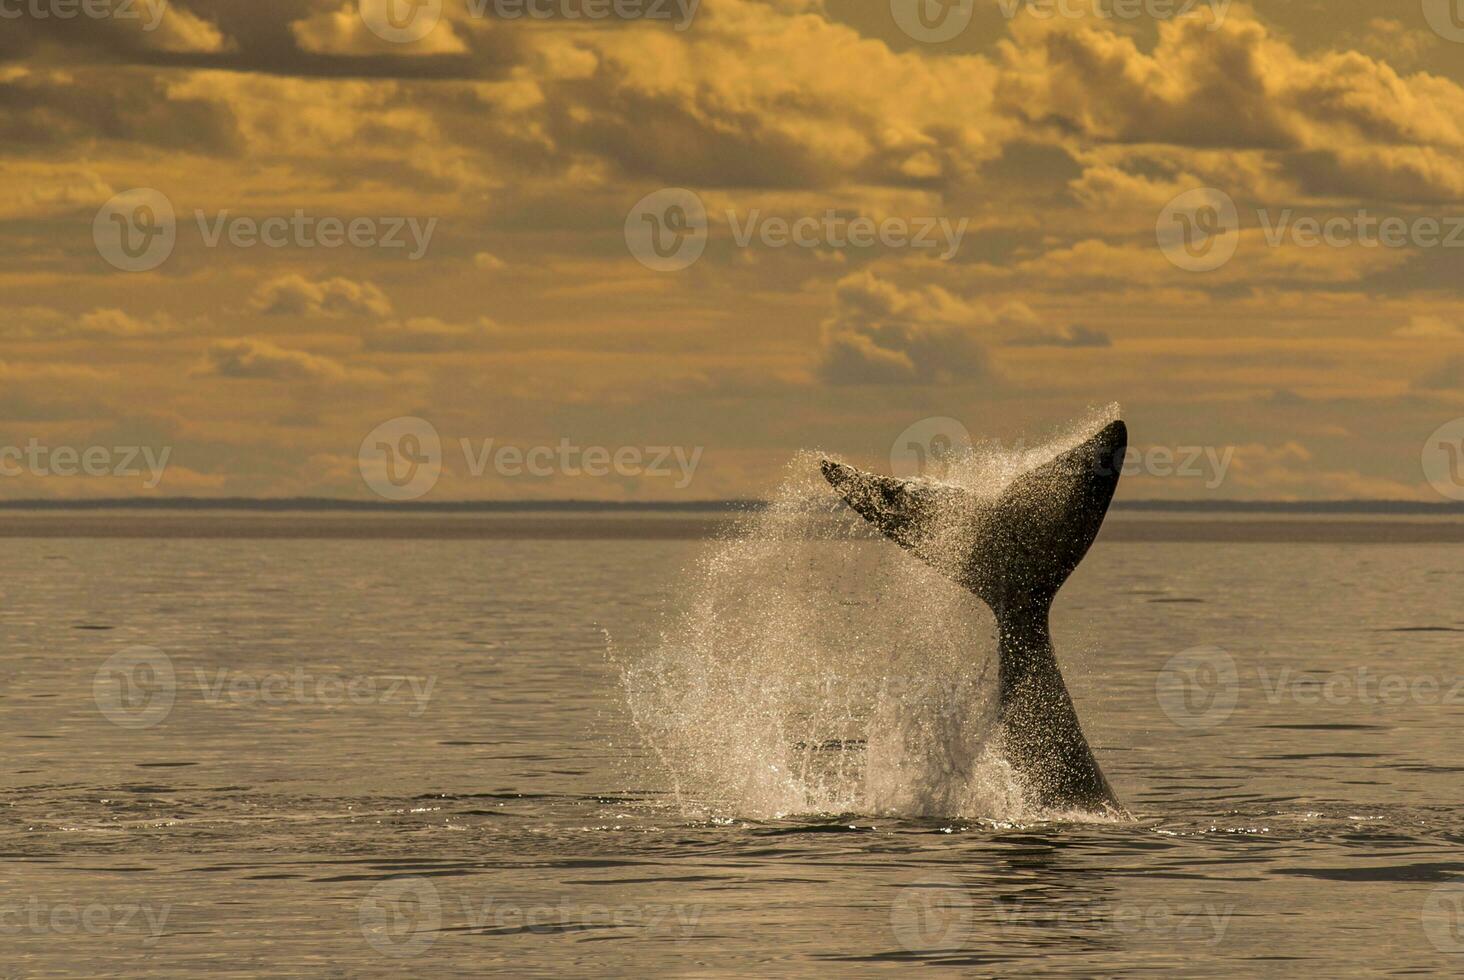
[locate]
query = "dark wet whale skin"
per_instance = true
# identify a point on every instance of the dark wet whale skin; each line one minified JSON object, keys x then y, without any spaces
{"x":1014,"y":552}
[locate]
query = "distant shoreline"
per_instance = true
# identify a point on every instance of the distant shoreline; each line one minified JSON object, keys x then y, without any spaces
{"x":326,"y":504}
{"x":339,"y":525}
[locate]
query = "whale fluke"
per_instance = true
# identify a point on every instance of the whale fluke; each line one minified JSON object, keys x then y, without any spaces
{"x":1014,"y":551}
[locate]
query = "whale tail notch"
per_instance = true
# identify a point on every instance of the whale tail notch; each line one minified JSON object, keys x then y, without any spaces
{"x":1015,"y":550}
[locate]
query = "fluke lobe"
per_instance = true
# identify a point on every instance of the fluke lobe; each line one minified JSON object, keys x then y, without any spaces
{"x":1014,"y":551}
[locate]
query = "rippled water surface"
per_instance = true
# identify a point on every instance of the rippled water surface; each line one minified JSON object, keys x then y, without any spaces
{"x":413,"y":757}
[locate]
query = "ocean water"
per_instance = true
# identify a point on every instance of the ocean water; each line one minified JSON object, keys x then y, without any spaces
{"x":372,"y":757}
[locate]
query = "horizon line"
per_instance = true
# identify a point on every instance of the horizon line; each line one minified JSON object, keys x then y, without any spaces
{"x":1336,"y":506}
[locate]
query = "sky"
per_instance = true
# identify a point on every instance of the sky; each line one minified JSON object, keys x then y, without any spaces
{"x":650,"y":250}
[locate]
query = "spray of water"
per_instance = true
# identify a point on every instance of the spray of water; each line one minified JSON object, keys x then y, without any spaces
{"x":816,"y":668}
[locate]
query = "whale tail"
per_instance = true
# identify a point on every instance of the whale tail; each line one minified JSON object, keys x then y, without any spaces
{"x":1014,"y":550}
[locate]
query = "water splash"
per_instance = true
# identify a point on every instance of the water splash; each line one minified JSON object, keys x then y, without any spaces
{"x":817,"y":669}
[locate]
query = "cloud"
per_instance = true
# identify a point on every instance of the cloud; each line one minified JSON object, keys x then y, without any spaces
{"x":44,"y":323}
{"x":1330,"y":120}
{"x":294,"y":295}
{"x":1292,"y":471}
{"x":1426,"y":326}
{"x":1073,"y":336}
{"x":259,"y":359}
{"x":425,"y":335}
{"x":141,"y":27}
{"x":1449,"y":376}
{"x":116,"y":323}
{"x":1394,"y":41}
{"x":37,"y":190}
{"x":343,"y":31}
{"x":882,"y":334}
